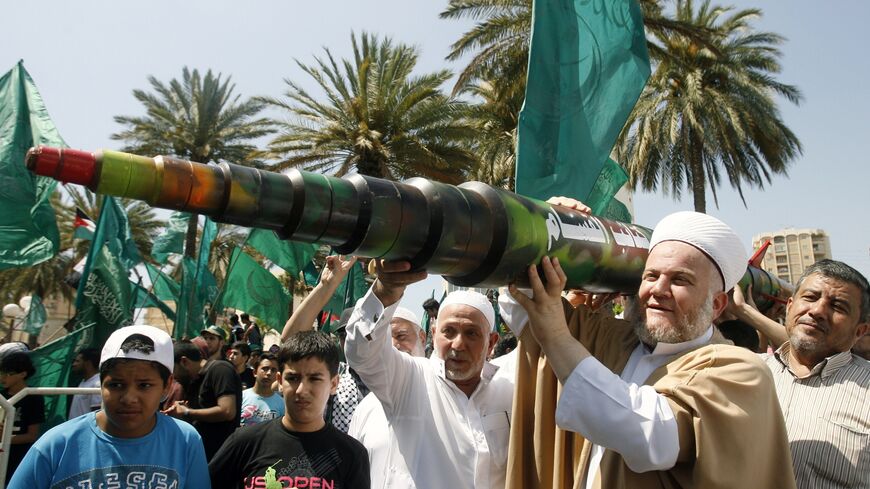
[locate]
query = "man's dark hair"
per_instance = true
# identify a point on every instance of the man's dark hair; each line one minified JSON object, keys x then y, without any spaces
{"x":234,"y":320}
{"x":91,"y":355}
{"x":140,"y":343}
{"x":741,"y":334}
{"x":243,"y":348}
{"x":266,"y":356}
{"x":505,"y":345}
{"x":431,"y":304}
{"x":307,"y":344}
{"x":17,"y":362}
{"x":186,"y":349}
{"x":245,"y":318}
{"x":844,"y":273}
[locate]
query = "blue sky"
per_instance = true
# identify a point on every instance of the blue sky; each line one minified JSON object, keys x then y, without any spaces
{"x":87,"y":56}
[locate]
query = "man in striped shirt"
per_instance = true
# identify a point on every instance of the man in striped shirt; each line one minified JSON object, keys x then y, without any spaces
{"x":822,"y":387}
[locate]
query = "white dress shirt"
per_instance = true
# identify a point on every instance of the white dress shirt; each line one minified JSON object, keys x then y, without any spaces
{"x":85,"y":403}
{"x":445,"y":438}
{"x":617,"y":412}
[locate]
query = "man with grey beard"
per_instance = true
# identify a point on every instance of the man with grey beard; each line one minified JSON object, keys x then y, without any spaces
{"x":659,"y":400}
{"x":450,"y":413}
{"x":821,"y":385}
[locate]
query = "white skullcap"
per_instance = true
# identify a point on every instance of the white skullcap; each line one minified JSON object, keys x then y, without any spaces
{"x":710,"y":235}
{"x":473,"y":299}
{"x":407,"y":315}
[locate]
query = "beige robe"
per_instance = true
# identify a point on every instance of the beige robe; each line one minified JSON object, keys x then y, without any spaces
{"x":731,"y":429}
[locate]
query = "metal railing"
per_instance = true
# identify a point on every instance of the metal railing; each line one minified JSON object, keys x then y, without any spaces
{"x":8,"y":406}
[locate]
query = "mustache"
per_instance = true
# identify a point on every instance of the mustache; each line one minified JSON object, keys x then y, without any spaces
{"x":823,"y":326}
{"x":456,"y":355}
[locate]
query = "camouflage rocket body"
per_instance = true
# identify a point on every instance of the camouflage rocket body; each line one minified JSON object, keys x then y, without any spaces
{"x":769,"y":292}
{"x":472,"y":234}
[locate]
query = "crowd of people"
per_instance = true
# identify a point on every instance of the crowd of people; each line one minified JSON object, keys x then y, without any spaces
{"x":658,"y":398}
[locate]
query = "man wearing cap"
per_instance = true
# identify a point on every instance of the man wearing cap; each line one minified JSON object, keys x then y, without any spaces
{"x":369,"y":424}
{"x":659,"y":400}
{"x":449,"y":413}
{"x":215,"y":337}
{"x":128,"y":442}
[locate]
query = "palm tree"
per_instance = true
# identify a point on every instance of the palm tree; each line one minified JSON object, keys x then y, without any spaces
{"x":197,"y":118}
{"x":375,"y":117}
{"x":495,"y":118}
{"x":709,"y":110}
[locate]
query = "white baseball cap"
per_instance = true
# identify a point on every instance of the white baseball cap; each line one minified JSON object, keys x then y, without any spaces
{"x":162,"y":353}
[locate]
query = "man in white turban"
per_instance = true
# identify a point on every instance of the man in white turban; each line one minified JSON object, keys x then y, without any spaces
{"x":449,"y":415}
{"x":658,"y":400}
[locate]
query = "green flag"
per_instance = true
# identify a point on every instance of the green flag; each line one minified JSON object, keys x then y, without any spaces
{"x":172,"y":239}
{"x":119,"y":237}
{"x":198,"y":287}
{"x":163,"y":287}
{"x":36,"y":316}
{"x":104,"y":295}
{"x":142,"y":298}
{"x":311,"y":275}
{"x":53,"y":362}
{"x":289,"y":255}
{"x":28,"y":229}
{"x":348,"y":292}
{"x":587,"y":66}
{"x":253,"y":289}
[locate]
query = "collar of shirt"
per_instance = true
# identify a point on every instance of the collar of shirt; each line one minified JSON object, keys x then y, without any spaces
{"x":674,"y":348}
{"x":825,"y":368}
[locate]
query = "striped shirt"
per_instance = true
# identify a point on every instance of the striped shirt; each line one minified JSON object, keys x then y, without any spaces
{"x":827,"y":415}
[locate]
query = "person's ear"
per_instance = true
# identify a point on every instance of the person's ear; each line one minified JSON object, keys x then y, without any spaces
{"x":334,"y":387}
{"x":493,"y":340}
{"x":720,"y":302}
{"x":861,"y":330}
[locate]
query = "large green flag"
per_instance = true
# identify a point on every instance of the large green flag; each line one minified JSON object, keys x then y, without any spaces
{"x":28,"y":230}
{"x":289,"y":255}
{"x":36,"y":316}
{"x":253,"y":289}
{"x":104,"y":298}
{"x":587,"y":66}
{"x":172,"y":239}
{"x":53,"y":362}
{"x":348,"y":292}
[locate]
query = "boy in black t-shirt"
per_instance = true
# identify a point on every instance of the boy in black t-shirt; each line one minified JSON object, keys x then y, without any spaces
{"x":299,"y":449}
{"x":15,"y":369}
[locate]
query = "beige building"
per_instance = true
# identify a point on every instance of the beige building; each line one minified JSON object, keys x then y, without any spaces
{"x":793,"y":250}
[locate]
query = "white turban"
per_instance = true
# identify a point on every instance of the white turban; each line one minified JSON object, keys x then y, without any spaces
{"x":710,"y":235}
{"x":407,"y":315}
{"x":473,"y":299}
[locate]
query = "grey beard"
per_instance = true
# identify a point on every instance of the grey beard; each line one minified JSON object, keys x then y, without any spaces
{"x":688,"y":327}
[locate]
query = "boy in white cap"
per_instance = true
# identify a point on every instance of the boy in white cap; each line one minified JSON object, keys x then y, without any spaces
{"x":128,"y":443}
{"x":449,"y":413}
{"x":658,"y":400}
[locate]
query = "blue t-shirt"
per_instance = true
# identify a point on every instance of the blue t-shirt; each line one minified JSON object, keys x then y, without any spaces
{"x":256,"y":408}
{"x":78,"y":454}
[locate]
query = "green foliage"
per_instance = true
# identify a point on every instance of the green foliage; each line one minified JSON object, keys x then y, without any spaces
{"x":375,"y":117}
{"x":708,"y":110}
{"x":197,"y":118}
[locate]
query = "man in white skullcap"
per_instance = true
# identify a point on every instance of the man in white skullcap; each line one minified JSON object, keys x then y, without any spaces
{"x":449,"y":415}
{"x":659,"y":400}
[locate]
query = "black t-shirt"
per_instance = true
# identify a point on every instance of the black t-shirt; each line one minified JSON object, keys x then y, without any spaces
{"x":324,"y":458}
{"x":247,"y":377}
{"x":254,"y":335}
{"x":29,"y":410}
{"x":219,"y":378}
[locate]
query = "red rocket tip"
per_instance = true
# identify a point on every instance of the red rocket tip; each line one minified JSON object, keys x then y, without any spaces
{"x":65,"y":165}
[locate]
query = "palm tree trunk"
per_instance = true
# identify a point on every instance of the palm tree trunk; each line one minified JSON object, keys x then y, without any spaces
{"x":698,"y":180}
{"x":190,"y":238}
